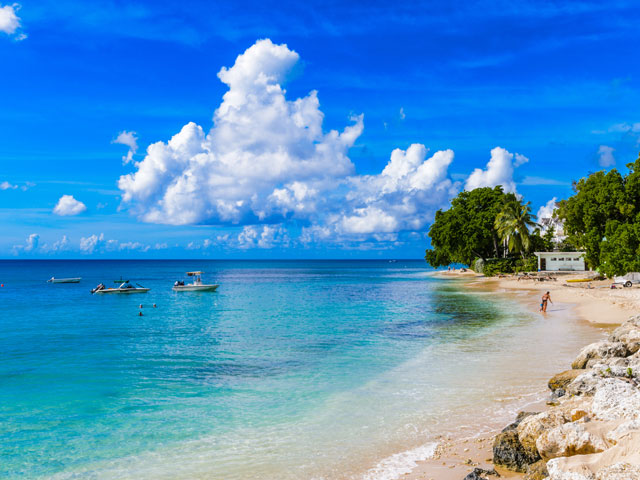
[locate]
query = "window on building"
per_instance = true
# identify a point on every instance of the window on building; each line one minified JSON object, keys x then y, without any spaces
{"x":553,"y":259}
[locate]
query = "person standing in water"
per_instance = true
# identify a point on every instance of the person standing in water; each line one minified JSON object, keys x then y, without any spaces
{"x":545,"y":298}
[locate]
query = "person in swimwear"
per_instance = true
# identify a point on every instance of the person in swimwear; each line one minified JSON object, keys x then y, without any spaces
{"x":545,"y":298}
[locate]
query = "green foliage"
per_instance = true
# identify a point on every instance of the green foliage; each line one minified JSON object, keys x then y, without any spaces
{"x":547,"y":240}
{"x":629,"y":372}
{"x":603,"y":218}
{"x":538,"y":243}
{"x":466,"y":231}
{"x":513,"y":224}
{"x":620,"y":252}
{"x":497,"y":266}
{"x":529,"y":264}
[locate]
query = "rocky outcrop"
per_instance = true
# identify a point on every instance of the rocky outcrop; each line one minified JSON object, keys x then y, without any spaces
{"x":537,"y":471}
{"x":509,"y":453}
{"x":593,"y":430}
{"x":585,"y":383}
{"x":598,"y":351}
{"x":616,"y":399}
{"x":569,"y":439}
{"x":532,"y":427}
{"x":563,"y":379}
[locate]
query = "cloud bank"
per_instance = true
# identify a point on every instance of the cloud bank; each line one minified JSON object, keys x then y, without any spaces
{"x":267,"y":162}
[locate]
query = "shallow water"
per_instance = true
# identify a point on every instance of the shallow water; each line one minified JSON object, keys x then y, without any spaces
{"x":301,"y":369}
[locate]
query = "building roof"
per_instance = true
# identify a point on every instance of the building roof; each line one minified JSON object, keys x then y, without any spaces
{"x":559,"y":253}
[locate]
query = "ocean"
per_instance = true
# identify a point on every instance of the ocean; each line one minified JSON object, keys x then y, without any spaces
{"x":291,"y":370}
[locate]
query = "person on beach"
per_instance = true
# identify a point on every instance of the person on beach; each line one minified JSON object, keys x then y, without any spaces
{"x":545,"y":298}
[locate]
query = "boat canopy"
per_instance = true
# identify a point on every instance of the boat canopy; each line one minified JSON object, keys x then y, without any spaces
{"x":191,"y":274}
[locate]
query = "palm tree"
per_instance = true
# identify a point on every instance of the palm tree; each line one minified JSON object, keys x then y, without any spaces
{"x":513,"y":223}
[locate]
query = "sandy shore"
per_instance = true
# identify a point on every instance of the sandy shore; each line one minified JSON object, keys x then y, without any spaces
{"x":594,"y":302}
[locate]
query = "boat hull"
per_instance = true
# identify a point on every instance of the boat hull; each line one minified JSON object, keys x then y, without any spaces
{"x":195,"y":288}
{"x":124,"y":290}
{"x":64,"y":280}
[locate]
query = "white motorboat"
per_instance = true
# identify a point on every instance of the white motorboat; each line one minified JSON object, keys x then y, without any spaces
{"x":124,"y":287}
{"x":196,"y":286}
{"x":64,"y":280}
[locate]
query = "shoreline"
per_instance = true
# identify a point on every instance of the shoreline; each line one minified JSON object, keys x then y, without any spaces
{"x":600,"y":308}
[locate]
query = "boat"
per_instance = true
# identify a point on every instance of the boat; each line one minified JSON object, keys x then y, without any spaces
{"x":64,"y":280}
{"x":196,"y":286}
{"x":125,"y":287}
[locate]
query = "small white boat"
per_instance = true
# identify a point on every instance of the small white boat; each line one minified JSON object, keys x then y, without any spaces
{"x":124,"y":287}
{"x":196,"y":286}
{"x":64,"y":280}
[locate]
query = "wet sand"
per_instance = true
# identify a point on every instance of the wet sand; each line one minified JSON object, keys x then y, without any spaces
{"x":598,"y":306}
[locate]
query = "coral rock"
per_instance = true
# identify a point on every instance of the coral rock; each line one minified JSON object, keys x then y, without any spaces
{"x":567,"y":440}
{"x":599,"y":350}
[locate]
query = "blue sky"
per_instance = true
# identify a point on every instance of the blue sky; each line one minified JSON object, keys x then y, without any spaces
{"x":554,"y":85}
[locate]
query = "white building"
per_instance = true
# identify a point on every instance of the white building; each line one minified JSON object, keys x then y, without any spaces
{"x":560,"y":261}
{"x":547,"y":223}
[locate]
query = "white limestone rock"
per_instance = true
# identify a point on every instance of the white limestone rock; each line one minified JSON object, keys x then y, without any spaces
{"x":615,"y":399}
{"x":568,"y":440}
{"x":586,"y":383}
{"x":599,"y":350}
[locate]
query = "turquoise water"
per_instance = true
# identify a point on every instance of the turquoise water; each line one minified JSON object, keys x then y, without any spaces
{"x":301,"y":369}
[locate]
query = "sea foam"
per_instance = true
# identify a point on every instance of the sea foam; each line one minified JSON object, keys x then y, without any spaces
{"x":399,"y":464}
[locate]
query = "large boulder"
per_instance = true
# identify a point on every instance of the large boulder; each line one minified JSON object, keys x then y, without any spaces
{"x":599,"y":350}
{"x":509,"y":453}
{"x":568,"y":440}
{"x":537,"y":471}
{"x":562,"y":379}
{"x":632,"y":324}
{"x":521,"y":416}
{"x":586,"y":383}
{"x":532,"y":427}
{"x":616,"y":398}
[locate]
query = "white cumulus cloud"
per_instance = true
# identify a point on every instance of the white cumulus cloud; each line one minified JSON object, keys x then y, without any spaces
{"x":499,"y":171}
{"x":264,"y":236}
{"x":68,"y":206}
{"x":10,"y":23}
{"x":130,"y":140}
{"x":260,"y":143}
{"x":404,"y":196}
{"x":605,"y":156}
{"x":546,"y":211}
{"x":91,"y":243}
{"x":30,"y":244}
{"x":267,"y":162}
{"x":7,"y":186}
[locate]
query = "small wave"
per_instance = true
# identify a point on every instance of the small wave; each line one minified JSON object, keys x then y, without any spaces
{"x":399,"y":464}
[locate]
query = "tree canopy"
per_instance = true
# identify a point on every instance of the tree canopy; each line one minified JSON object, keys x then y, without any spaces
{"x":603,"y":219}
{"x":466,"y":231}
{"x":513,"y":225}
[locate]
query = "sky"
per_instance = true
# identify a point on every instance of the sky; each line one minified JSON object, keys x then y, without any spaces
{"x":260,"y":129}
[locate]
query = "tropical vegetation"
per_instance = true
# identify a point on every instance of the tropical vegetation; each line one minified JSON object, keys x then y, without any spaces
{"x":603,"y":219}
{"x":495,"y":232}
